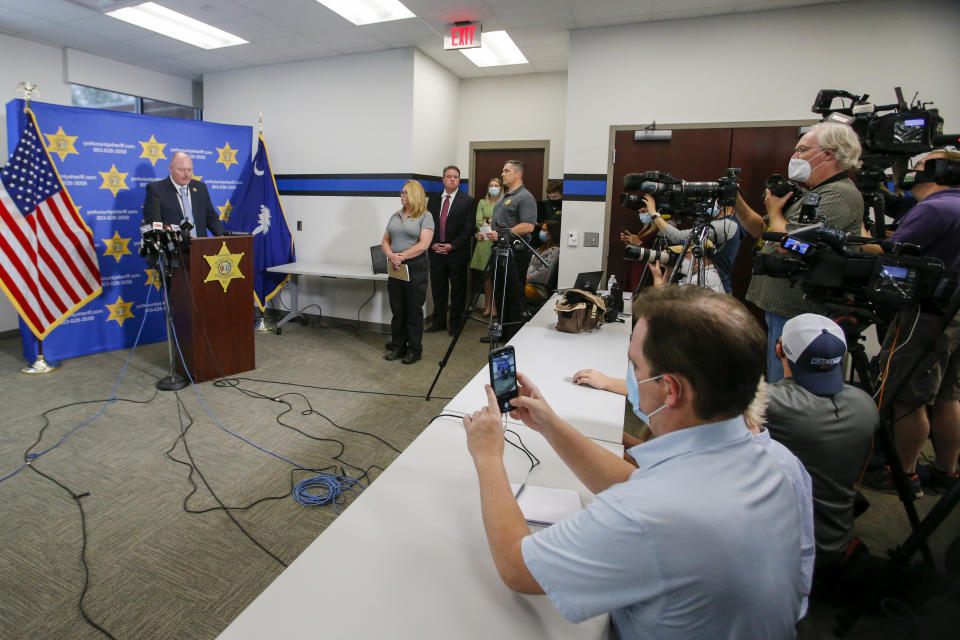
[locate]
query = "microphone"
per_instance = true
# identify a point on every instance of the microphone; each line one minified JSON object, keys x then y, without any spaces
{"x":773,"y":236}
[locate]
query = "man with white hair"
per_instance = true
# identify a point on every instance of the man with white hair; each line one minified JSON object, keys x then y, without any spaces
{"x":821,"y":160}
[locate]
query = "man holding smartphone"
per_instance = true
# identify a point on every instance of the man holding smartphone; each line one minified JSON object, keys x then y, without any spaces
{"x":702,"y":540}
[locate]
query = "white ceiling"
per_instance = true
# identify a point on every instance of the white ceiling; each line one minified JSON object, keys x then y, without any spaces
{"x":289,"y":30}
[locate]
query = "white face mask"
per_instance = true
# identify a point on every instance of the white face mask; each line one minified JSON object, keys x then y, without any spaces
{"x":494,"y":191}
{"x":800,"y":169}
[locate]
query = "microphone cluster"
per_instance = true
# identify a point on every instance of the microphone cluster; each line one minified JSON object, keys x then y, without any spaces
{"x":163,"y":239}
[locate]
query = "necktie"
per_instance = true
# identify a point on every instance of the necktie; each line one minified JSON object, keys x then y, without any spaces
{"x":187,"y":209}
{"x":443,"y":217}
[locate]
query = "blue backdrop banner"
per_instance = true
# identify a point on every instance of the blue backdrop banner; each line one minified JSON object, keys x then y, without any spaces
{"x":105,"y":159}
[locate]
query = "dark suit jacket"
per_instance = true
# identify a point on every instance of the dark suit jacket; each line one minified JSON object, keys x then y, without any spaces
{"x":205,"y":216}
{"x":461,"y":219}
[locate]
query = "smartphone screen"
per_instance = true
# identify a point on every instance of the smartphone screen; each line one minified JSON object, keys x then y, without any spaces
{"x":503,"y":376}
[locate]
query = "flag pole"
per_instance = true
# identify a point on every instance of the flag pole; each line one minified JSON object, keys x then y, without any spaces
{"x":262,"y":324}
{"x":40,"y":366}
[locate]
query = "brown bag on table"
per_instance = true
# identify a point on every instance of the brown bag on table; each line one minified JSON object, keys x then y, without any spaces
{"x":579,"y":310}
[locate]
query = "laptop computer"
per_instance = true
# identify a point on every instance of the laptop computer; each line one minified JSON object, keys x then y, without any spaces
{"x":377,"y":260}
{"x":589,"y":281}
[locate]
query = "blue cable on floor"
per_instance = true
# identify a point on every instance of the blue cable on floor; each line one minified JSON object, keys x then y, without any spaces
{"x":331,"y":487}
{"x":113,"y":398}
{"x":335,"y":484}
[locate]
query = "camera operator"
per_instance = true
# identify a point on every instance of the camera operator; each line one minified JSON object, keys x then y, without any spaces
{"x":517,"y":209}
{"x":934,"y":225}
{"x":821,"y":160}
{"x":723,"y":229}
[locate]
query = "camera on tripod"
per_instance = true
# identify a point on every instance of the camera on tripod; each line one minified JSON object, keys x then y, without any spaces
{"x":821,"y":260}
{"x":679,"y":196}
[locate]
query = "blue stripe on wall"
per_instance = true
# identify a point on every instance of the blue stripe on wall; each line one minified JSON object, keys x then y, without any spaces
{"x":585,"y":187}
{"x":376,"y":185}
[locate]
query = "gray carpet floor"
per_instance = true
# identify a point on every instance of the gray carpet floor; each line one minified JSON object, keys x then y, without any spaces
{"x":157,"y":571}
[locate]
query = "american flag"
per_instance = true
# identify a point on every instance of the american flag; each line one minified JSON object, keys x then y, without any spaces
{"x":48,"y":264}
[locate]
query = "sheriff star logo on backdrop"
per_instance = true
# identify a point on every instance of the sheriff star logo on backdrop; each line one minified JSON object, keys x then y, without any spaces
{"x":61,"y":144}
{"x":153,"y":278}
{"x":224,"y":267}
{"x":153,"y":150}
{"x":225,"y":211}
{"x":119,"y":311}
{"x":228,"y":156}
{"x":114,"y":180}
{"x":116,"y":246}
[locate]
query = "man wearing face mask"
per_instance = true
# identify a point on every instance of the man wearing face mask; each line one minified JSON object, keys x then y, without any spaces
{"x":822,"y":160}
{"x":934,"y":225}
{"x":674,"y":547}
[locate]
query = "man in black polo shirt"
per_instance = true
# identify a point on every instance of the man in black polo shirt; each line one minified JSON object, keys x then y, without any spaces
{"x":517,"y":209}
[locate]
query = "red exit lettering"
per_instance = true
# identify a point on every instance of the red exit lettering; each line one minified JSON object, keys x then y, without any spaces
{"x":462,"y":36}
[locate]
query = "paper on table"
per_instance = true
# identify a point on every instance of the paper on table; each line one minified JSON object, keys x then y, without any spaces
{"x":545,"y":506}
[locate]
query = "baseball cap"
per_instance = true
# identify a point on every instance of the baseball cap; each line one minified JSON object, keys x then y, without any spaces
{"x":815,"y":345}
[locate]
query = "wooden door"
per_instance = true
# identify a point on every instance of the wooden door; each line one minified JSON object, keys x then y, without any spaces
{"x":696,"y":155}
{"x":692,"y":155}
{"x":488,"y":163}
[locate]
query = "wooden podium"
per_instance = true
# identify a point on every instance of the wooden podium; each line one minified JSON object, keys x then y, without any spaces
{"x":212,"y":305}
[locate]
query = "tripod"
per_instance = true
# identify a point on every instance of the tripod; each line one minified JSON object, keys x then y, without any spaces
{"x":696,"y":246}
{"x":501,"y":269}
{"x":900,"y":557}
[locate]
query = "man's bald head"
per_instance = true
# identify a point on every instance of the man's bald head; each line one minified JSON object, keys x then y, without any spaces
{"x":181,"y":168}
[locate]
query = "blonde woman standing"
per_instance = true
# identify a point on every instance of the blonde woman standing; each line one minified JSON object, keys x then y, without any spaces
{"x":405,"y":242}
{"x":481,"y":254}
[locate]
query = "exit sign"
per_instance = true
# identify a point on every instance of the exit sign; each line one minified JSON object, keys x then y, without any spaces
{"x":464,"y":35}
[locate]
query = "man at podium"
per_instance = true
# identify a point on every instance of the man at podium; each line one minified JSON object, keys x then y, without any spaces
{"x":178,"y":198}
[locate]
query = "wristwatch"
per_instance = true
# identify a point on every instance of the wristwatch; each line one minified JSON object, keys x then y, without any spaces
{"x":655,"y":215}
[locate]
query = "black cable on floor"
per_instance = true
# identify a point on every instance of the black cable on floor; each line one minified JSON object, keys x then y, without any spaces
{"x":83,"y":549}
{"x":181,"y":410}
{"x":232,"y":382}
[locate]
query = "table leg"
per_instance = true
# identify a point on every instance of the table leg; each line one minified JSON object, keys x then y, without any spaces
{"x":294,"y":301}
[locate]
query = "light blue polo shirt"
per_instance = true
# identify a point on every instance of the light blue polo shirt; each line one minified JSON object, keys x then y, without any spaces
{"x":702,"y":541}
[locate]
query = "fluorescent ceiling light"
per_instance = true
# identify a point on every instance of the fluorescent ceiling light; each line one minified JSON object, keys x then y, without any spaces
{"x":154,"y":17}
{"x":496,"y":49}
{"x":368,"y":11}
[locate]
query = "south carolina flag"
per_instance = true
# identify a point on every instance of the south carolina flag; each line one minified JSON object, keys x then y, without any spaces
{"x":258,"y":212}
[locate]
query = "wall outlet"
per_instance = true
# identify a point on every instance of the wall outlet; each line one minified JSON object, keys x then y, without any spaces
{"x":573,"y":239}
{"x":591,"y":239}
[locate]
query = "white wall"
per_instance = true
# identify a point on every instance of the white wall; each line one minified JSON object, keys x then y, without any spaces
{"x":103,"y":73}
{"x":514,"y":107}
{"x":349,"y":114}
{"x":436,"y":100}
{"x":746,"y":67}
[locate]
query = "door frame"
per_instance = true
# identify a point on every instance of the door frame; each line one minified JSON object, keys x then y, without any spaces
{"x":523,"y":145}
{"x":615,"y":128}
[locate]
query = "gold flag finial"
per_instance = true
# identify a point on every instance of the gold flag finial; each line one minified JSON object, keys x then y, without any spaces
{"x":27,"y":89}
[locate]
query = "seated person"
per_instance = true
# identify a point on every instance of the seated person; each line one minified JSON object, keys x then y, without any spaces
{"x":541,"y":279}
{"x":829,"y":425}
{"x":703,"y":539}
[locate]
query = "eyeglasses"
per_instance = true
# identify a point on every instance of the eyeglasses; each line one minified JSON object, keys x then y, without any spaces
{"x":803,"y":149}
{"x":403,"y":193}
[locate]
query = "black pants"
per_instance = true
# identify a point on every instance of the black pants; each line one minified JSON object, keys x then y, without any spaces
{"x":512,"y":305}
{"x":448,"y":277}
{"x":406,"y":304}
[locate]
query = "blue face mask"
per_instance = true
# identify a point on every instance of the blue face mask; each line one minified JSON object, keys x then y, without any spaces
{"x":714,"y":210}
{"x":645,"y":218}
{"x":633,"y":395}
{"x":543,"y":236}
{"x":494,"y":191}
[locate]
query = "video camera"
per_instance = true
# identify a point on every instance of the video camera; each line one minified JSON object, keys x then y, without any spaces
{"x":887,"y":132}
{"x":820,"y":259}
{"x":678,"y":196}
